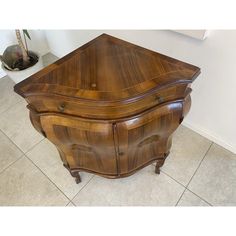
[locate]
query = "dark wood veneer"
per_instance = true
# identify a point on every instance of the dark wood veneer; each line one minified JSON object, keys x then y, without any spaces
{"x":110,"y":106}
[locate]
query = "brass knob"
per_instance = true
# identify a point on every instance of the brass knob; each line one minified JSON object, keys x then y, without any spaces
{"x":61,"y":107}
{"x":93,"y":85}
{"x":159,"y":99}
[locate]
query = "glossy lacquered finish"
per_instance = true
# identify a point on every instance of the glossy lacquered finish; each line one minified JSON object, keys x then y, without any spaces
{"x":110,"y":107}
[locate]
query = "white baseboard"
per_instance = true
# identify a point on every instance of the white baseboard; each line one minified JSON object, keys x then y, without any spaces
{"x":56,"y":54}
{"x":209,"y":136}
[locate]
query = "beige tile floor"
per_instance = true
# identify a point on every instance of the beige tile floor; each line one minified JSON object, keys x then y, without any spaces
{"x":196,"y":173}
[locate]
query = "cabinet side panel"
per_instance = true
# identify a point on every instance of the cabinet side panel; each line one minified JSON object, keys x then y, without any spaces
{"x":35,"y":120}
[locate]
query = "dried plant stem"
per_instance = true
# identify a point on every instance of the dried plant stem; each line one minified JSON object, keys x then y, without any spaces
{"x":22,"y":46}
{"x":26,"y":46}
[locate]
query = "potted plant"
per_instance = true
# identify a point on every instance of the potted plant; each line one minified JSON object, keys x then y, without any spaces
{"x":18,"y":62}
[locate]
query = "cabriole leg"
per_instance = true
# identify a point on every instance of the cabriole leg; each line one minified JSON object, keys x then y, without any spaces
{"x":160,"y":163}
{"x":74,"y":174}
{"x":77,"y":178}
{"x":157,"y":169}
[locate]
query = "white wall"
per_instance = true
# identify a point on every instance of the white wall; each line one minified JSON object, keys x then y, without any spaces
{"x":213,"y":112}
{"x":37,"y":43}
{"x":197,"y":34}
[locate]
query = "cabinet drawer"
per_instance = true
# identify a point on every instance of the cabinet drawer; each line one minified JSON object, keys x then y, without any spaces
{"x":168,"y":94}
{"x":53,"y":104}
{"x":103,"y":110}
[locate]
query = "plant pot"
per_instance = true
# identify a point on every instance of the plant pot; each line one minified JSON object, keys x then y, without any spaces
{"x":18,"y":76}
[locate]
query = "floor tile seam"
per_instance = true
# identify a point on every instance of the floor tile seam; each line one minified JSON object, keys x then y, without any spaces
{"x":68,"y":203}
{"x":173,"y":178}
{"x":36,"y":144}
{"x":185,"y":188}
{"x":180,"y":197}
{"x":2,"y":171}
{"x":199,"y":164}
{"x":25,"y":152}
{"x":81,"y":189}
{"x":17,"y":145}
{"x":71,"y":203}
{"x":48,"y":178}
{"x":199,"y":197}
{"x":11,"y":141}
{"x":11,"y":106}
{"x":166,"y":173}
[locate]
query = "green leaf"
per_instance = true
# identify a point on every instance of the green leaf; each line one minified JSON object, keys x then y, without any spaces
{"x":26,"y":33}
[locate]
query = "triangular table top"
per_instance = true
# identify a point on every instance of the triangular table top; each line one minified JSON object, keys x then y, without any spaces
{"x":108,"y":69}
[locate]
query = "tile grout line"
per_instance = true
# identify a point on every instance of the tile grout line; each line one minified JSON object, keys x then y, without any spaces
{"x":199,"y":197}
{"x":22,"y":153}
{"x":25,"y":154}
{"x":34,"y":146}
{"x":194,"y":175}
{"x":173,"y":179}
{"x":199,"y":164}
{"x":9,"y":107}
{"x":17,"y":145}
{"x":179,"y":184}
{"x":47,"y":177}
{"x":186,"y":188}
{"x":180,"y":197}
{"x":81,"y":189}
{"x":68,"y":203}
{"x":71,"y":203}
{"x":11,"y":141}
{"x":1,"y":172}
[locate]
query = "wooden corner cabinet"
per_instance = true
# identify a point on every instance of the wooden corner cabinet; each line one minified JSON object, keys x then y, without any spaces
{"x":110,"y":107}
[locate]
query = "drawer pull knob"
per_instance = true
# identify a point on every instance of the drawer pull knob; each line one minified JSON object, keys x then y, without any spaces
{"x":121,"y":153}
{"x":61,"y":107}
{"x":159,"y":99}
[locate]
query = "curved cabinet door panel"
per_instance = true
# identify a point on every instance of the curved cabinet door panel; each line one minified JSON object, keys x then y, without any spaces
{"x":83,"y":144}
{"x":148,"y":137}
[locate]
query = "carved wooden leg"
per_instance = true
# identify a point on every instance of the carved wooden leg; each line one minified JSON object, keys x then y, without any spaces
{"x":77,"y":178}
{"x":160,"y":163}
{"x":157,"y":169}
{"x":74,"y":174}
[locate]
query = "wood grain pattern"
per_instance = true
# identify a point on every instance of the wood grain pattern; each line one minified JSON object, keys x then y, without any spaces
{"x":87,"y":144}
{"x":110,"y":106}
{"x":148,"y":137}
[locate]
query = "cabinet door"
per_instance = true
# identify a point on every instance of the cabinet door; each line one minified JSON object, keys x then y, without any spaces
{"x":147,"y":137}
{"x":87,"y":145}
